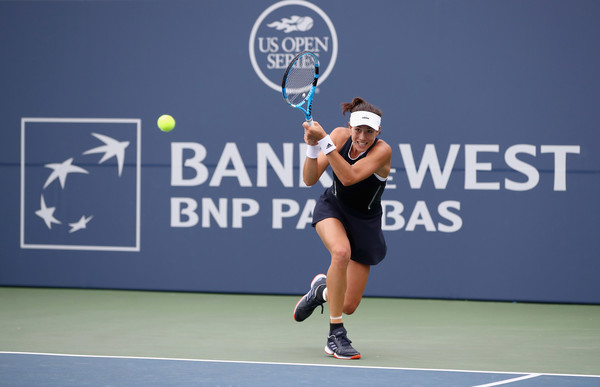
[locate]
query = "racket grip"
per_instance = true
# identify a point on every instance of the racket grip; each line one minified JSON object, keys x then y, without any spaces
{"x":309,"y":122}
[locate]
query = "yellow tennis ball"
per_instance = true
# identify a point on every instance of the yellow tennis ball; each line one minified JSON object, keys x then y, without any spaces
{"x":166,"y":123}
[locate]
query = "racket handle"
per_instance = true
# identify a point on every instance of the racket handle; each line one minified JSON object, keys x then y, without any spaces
{"x":309,"y":122}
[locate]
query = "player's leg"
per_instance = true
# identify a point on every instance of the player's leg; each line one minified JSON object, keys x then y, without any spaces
{"x":357,"y":275}
{"x":333,"y":235}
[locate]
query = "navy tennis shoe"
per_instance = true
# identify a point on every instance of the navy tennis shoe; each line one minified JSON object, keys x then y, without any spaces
{"x":338,"y":345}
{"x":311,"y":300}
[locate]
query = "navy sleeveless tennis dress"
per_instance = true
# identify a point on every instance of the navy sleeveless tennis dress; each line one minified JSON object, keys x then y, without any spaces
{"x":358,"y":207}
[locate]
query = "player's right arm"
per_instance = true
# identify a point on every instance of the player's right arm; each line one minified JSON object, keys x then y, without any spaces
{"x":314,"y":168}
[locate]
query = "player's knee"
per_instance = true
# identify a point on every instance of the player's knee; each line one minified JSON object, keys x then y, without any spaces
{"x":350,"y":307}
{"x":340,"y":255}
{"x":351,"y":303}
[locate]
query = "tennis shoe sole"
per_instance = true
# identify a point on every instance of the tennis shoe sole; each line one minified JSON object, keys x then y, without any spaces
{"x":331,"y":353}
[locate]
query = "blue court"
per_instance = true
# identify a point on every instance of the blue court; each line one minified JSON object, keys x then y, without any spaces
{"x":30,"y":369}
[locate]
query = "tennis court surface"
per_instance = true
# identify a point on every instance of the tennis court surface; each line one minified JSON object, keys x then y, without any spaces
{"x":71,"y":337}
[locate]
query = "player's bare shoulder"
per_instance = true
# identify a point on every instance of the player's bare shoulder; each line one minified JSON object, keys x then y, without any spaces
{"x":383,"y":153}
{"x":384,"y":147}
{"x":339,"y":135}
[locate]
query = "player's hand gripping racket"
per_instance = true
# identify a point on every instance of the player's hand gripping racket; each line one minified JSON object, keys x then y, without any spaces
{"x":300,"y":81}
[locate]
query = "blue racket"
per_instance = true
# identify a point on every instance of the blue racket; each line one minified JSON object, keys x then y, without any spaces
{"x":300,"y":81}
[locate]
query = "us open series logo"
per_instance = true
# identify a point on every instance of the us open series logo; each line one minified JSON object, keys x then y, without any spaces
{"x":283,"y":30}
{"x":80,"y":184}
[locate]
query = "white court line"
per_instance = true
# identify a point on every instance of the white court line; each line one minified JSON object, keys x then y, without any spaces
{"x":507,"y":381}
{"x":527,"y":374}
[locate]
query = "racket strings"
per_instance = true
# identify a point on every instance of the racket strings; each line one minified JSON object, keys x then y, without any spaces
{"x":300,"y":79}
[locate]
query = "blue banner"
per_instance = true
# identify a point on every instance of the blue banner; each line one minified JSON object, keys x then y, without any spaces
{"x":491,"y":110}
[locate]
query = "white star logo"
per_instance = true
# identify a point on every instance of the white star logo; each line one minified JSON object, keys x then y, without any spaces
{"x":61,"y":170}
{"x":112,"y":148}
{"x":80,"y":224}
{"x":47,"y":213}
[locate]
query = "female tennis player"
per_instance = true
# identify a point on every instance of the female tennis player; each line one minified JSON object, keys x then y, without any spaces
{"x":347,"y":216}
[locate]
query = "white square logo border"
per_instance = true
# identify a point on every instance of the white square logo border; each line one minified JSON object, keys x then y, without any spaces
{"x":133,"y":248}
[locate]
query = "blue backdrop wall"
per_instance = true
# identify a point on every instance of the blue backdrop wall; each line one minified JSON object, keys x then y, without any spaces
{"x":491,"y":109}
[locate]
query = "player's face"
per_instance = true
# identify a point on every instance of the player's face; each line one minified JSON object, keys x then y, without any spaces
{"x":363,"y":137}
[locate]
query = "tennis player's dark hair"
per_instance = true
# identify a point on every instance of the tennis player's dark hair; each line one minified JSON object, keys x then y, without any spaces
{"x":360,"y":104}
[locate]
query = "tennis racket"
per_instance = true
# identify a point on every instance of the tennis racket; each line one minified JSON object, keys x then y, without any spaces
{"x":300,"y":81}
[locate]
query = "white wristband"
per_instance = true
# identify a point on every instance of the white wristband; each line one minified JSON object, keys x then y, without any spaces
{"x":327,"y":146}
{"x":312,"y":151}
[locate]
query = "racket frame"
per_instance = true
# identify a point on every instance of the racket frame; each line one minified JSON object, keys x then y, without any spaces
{"x":306,"y":104}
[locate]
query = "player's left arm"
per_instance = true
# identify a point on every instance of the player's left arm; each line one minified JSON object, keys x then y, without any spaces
{"x":378,"y":160}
